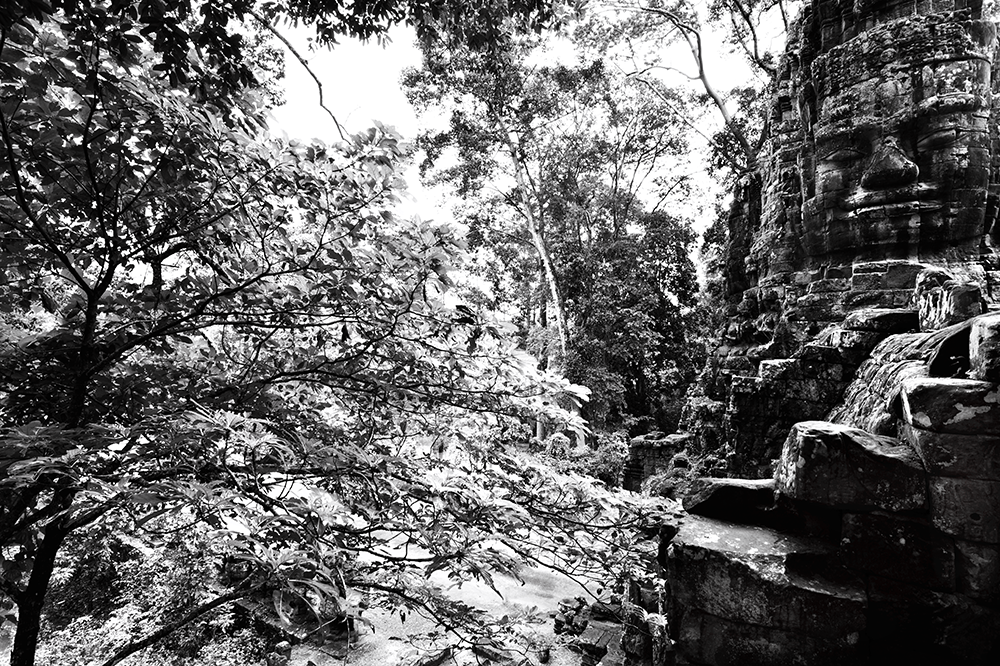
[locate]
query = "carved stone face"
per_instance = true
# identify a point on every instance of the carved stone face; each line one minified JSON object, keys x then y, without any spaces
{"x":900,"y":148}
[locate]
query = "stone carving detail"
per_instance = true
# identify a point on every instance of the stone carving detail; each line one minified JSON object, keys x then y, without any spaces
{"x":860,"y":365}
{"x":882,"y":161}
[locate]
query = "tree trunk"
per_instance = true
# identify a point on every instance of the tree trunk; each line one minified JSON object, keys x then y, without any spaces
{"x":31,"y":601}
{"x":526,"y":189}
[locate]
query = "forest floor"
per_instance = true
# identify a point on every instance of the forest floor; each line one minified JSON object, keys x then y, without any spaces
{"x":389,"y":644}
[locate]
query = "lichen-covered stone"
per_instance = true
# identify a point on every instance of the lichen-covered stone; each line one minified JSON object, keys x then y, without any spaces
{"x":966,"y":508}
{"x":984,"y":348}
{"x":958,"y":406}
{"x":947,"y":454}
{"x":942,"y":300}
{"x":847,"y":468}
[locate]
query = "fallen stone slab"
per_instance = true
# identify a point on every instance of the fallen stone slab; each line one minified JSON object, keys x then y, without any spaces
{"x":958,"y":406}
{"x":742,"y":574}
{"x":850,"y":469}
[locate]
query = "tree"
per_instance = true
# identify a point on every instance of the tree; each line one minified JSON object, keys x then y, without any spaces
{"x":634,"y":327}
{"x":642,"y":33}
{"x":208,"y":329}
{"x":575,"y":153}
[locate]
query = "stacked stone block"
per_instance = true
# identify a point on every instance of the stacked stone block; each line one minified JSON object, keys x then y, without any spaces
{"x":878,"y":548}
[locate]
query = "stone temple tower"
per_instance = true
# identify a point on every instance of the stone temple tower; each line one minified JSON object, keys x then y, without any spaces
{"x":857,"y":385}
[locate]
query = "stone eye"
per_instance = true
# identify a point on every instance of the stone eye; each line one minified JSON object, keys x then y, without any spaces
{"x":938,"y":139}
{"x":843,"y":155}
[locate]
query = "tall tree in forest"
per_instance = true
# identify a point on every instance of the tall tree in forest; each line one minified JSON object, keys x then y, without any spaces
{"x":208,"y":330}
{"x":659,"y":42}
{"x":577,"y":154}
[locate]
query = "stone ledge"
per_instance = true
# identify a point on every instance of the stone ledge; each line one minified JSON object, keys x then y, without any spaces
{"x":742,"y":574}
{"x":847,"y":468}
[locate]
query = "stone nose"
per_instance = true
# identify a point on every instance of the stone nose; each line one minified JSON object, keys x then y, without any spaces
{"x":889,"y":167}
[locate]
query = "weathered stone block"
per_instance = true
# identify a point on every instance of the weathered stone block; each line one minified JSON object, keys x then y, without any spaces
{"x":729,"y":499}
{"x":854,"y":346}
{"x":909,"y":624}
{"x":745,"y":384}
{"x":960,"y":406}
{"x":845,"y":271}
{"x":820,"y":353}
{"x":740,"y":574}
{"x":885,"y":298}
{"x":966,"y":508}
{"x":636,"y":641}
{"x":900,"y":549}
{"x":902,"y":274}
{"x":662,"y":645}
{"x":883,"y":320}
{"x":771,"y":370}
{"x":828,"y":285}
{"x":978,"y":568}
{"x":818,"y":307}
{"x":942,"y":300}
{"x":867,"y":281}
{"x":947,"y":454}
{"x":848,"y":468}
{"x":984,"y":348}
{"x":706,"y":639}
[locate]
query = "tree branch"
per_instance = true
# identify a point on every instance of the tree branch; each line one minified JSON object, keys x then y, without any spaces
{"x":319,"y":85}
{"x":171,"y":627}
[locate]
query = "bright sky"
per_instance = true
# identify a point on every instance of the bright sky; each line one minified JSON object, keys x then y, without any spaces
{"x":360,"y":84}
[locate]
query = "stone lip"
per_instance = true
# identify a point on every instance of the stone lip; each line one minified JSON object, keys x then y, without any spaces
{"x":913,"y":197}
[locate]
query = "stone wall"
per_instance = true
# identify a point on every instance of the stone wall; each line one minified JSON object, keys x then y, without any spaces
{"x":877,"y":541}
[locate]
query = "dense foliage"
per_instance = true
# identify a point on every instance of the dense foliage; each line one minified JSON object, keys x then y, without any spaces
{"x":212,"y":334}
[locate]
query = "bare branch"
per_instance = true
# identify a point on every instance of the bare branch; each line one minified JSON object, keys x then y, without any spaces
{"x":298,"y":56}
